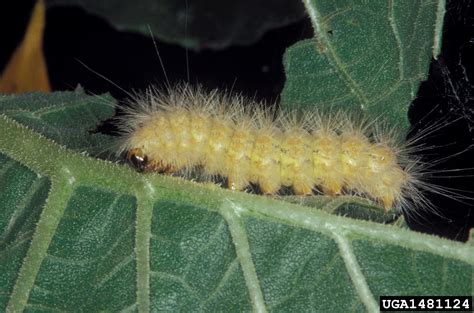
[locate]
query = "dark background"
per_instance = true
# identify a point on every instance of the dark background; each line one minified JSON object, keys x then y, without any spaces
{"x":131,"y":62}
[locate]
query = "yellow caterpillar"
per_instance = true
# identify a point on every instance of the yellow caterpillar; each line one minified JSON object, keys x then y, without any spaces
{"x":184,"y":128}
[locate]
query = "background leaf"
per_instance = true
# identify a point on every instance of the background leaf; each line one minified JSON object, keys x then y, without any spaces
{"x":108,"y":238}
{"x":367,"y":57}
{"x":203,"y":24}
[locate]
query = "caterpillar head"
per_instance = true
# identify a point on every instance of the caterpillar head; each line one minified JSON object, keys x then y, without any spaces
{"x":137,"y":159}
{"x":140,"y":160}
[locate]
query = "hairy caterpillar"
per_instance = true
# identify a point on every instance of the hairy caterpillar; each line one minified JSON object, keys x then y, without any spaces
{"x":184,"y":128}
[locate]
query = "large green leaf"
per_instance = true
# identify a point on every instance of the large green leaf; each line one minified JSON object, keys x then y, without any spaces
{"x":71,"y":127}
{"x":367,"y":56}
{"x":81,"y":234}
{"x":196,"y":24}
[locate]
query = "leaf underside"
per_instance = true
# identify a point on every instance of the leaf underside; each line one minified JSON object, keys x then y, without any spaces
{"x":214,"y":24}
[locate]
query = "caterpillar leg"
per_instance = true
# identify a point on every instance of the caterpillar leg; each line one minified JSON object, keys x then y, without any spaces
{"x":161,"y":167}
{"x":332,"y":188}
{"x":302,"y":188}
{"x":387,"y":202}
{"x":269,"y":187}
{"x":236,"y":184}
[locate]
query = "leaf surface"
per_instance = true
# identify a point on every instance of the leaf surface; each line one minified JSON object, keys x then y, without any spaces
{"x":366,"y":57}
{"x":68,"y":118}
{"x":82,"y":234}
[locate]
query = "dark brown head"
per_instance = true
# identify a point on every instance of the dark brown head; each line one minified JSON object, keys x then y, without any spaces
{"x":137,"y":159}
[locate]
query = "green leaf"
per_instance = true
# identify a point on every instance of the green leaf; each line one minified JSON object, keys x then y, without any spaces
{"x":214,"y":24}
{"x":367,"y":57}
{"x":68,"y":118}
{"x":82,"y":234}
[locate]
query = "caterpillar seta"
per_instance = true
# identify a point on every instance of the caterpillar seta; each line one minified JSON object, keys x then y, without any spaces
{"x":185,"y":128}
